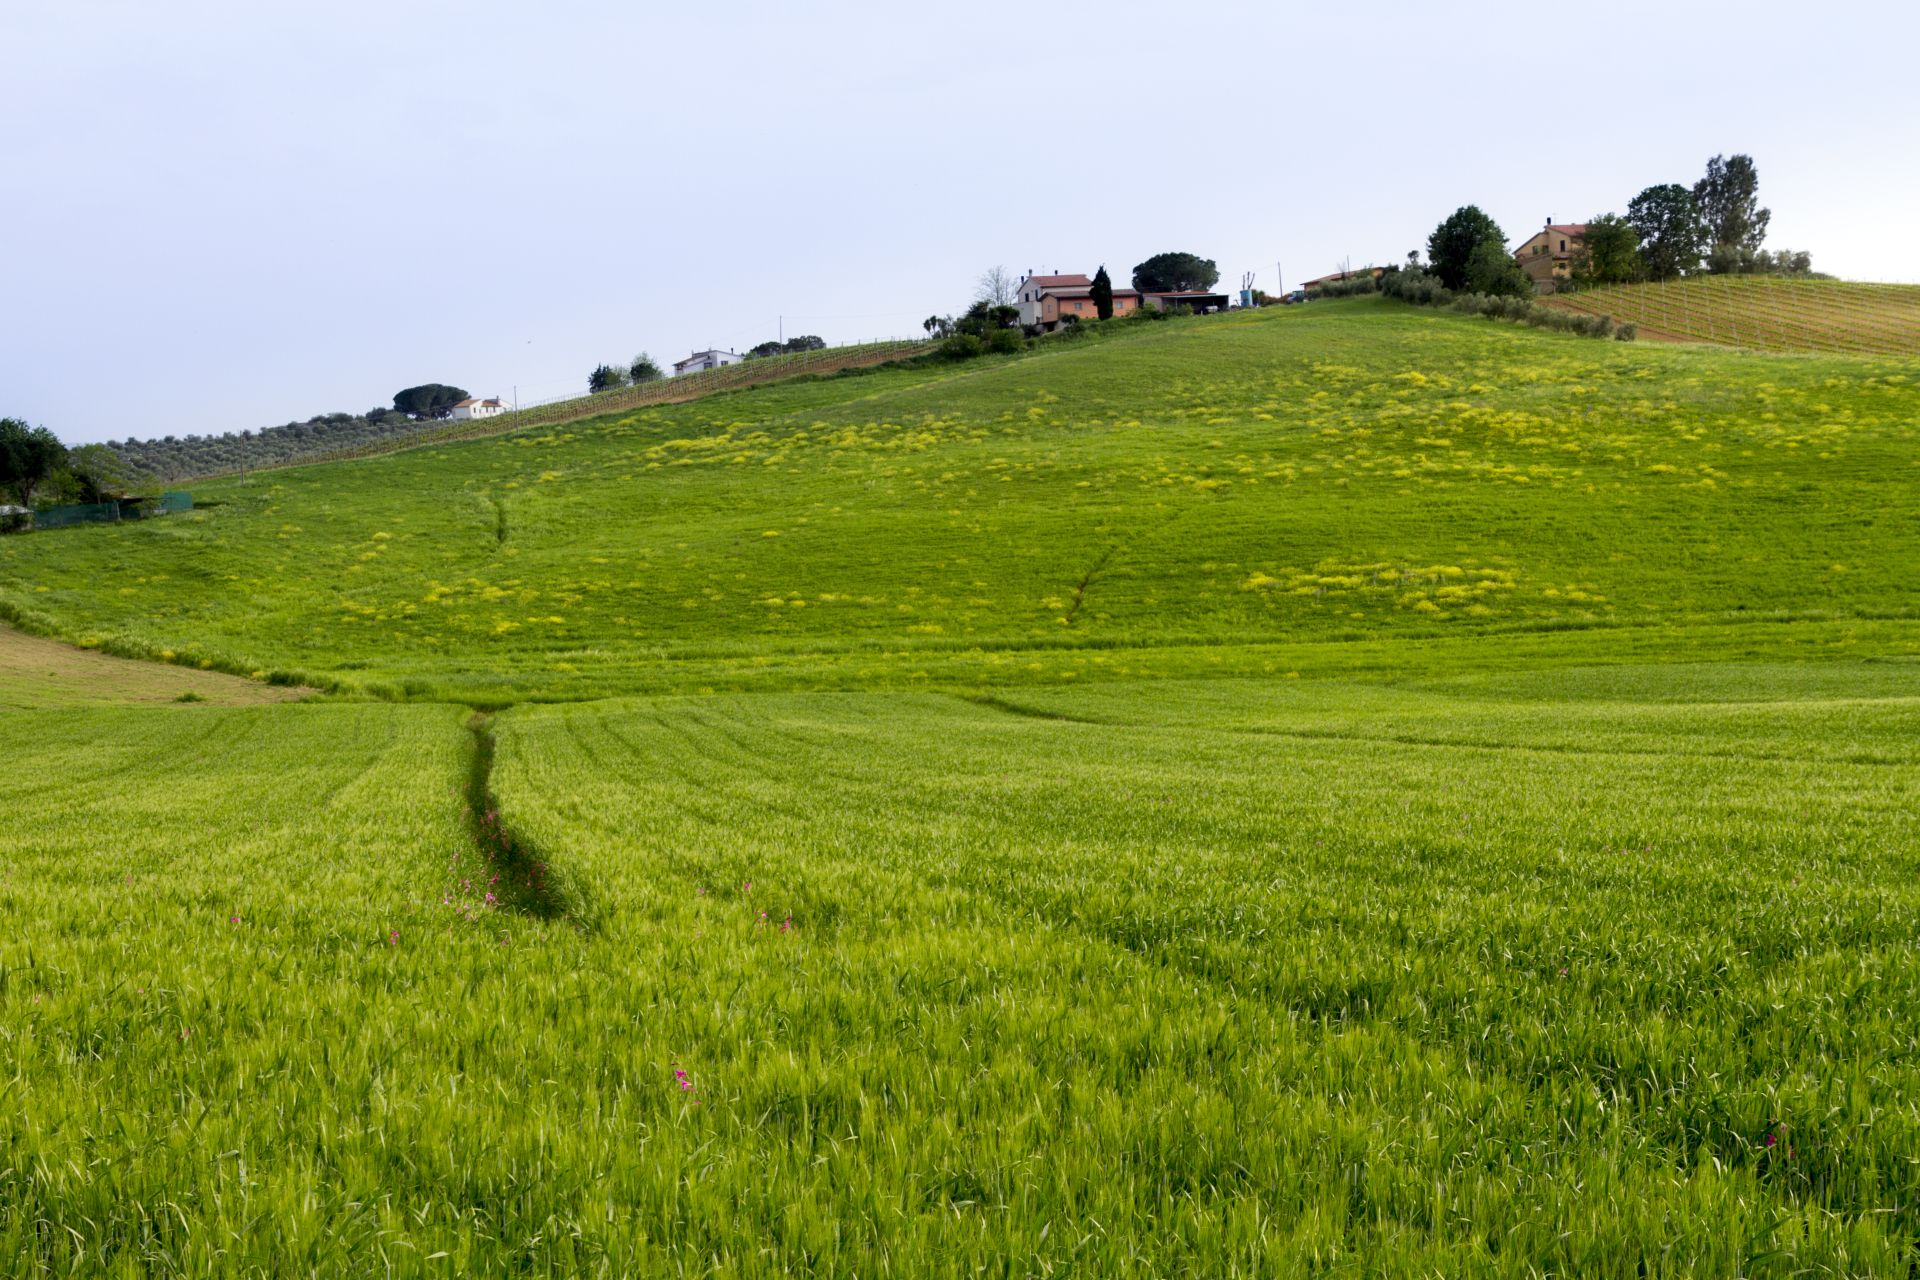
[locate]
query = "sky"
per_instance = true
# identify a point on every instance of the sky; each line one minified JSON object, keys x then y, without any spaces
{"x":216,"y":216}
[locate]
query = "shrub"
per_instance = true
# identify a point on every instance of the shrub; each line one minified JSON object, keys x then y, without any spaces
{"x":962,"y":346}
{"x":1005,"y":341}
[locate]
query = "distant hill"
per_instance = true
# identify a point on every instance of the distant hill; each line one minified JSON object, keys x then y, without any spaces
{"x":1765,"y":313}
{"x":1166,"y":498}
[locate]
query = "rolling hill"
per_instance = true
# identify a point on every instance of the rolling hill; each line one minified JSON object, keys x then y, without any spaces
{"x":1335,"y":790}
{"x":1361,"y":474}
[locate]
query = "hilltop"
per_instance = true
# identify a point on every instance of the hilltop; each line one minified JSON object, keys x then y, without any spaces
{"x":1214,"y":493}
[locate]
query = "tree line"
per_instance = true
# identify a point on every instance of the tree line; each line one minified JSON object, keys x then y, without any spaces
{"x":166,"y":459}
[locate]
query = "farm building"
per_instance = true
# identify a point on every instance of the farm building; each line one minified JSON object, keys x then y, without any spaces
{"x":1028,"y":293}
{"x":471,"y":408}
{"x":1199,"y":301}
{"x":702,"y":360}
{"x":1047,"y":301}
{"x":1547,"y":255}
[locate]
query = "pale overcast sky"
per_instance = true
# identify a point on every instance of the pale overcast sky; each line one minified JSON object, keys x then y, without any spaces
{"x":225,"y":215}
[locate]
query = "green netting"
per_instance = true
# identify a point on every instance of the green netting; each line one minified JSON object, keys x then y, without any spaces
{"x":80,"y":513}
{"x":175,"y":501}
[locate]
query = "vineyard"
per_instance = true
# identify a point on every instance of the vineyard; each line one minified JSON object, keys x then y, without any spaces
{"x":1767,"y":313}
{"x":675,"y":390}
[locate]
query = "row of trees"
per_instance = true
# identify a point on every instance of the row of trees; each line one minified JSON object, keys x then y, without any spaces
{"x":605,"y":377}
{"x":1669,"y":230}
{"x":792,"y":346}
{"x":1716,"y":226}
{"x":174,"y":458}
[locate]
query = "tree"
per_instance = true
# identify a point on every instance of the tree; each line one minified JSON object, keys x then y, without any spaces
{"x":997,"y":286}
{"x":1103,"y":293}
{"x":642,"y":369}
{"x":806,"y":342}
{"x":605,"y":377}
{"x":428,"y":400}
{"x":768,"y":348}
{"x":1175,"y":273}
{"x":1492,"y":270}
{"x":1451,"y":246}
{"x":1609,"y":253}
{"x":1671,"y":235}
{"x":98,"y":473}
{"x":937,"y":326}
{"x":1729,"y":205}
{"x":983,"y":318}
{"x":28,"y":458}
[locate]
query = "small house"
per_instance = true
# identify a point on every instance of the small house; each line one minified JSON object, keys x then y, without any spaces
{"x":700,"y":361}
{"x":471,"y":408}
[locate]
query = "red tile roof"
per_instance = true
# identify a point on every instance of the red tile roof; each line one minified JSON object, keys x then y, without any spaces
{"x":1069,"y":280}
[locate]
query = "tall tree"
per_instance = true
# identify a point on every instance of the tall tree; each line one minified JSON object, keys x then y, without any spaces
{"x":28,"y":458}
{"x":428,"y":400}
{"x":1103,"y":293}
{"x":605,"y":377}
{"x":1175,"y":273}
{"x":1729,"y":204}
{"x":642,"y":369}
{"x":997,"y":286}
{"x":1672,"y":237}
{"x":1450,"y":247}
{"x":1609,"y":253}
{"x":1492,"y":270}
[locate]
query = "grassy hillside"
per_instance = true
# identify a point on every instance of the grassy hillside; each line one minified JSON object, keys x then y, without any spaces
{"x":1766,"y":313}
{"x":1346,"y":791}
{"x":1348,"y":472}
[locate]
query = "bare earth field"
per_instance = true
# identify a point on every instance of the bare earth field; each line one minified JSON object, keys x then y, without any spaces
{"x":38,"y":673}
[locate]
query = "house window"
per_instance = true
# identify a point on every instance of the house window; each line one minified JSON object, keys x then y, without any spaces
{"x":1563,"y":246}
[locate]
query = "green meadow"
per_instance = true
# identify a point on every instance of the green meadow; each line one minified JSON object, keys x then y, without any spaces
{"x":1342,"y":790}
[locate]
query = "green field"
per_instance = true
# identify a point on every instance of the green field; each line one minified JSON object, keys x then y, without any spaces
{"x":1347,"y":790}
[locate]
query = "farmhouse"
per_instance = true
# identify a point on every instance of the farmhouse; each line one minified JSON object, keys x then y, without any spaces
{"x":1547,"y":256}
{"x":702,"y":360}
{"x":1048,"y":300}
{"x":471,"y":408}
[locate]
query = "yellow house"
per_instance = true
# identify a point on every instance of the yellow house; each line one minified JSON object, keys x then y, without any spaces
{"x":1547,"y":257}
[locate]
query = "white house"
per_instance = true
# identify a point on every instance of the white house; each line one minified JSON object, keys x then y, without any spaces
{"x":471,"y":408}
{"x":701,"y":360}
{"x":1029,"y":293}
